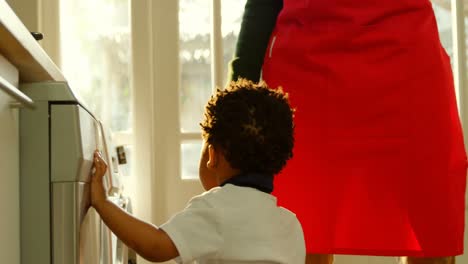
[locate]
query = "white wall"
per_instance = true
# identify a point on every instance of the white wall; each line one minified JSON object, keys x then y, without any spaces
{"x":41,"y":16}
{"x":27,"y":11}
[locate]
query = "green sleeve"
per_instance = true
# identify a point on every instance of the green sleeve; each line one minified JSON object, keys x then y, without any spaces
{"x":258,"y":22}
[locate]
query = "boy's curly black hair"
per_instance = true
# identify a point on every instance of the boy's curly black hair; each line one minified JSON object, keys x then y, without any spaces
{"x":253,"y":126}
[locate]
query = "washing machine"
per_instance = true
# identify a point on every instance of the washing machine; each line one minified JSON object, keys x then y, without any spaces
{"x":57,"y":142}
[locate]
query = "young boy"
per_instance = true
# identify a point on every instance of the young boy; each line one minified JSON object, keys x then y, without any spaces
{"x":248,"y":137}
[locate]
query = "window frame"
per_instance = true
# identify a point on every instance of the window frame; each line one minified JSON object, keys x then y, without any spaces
{"x":460,"y":67}
{"x":217,"y":70}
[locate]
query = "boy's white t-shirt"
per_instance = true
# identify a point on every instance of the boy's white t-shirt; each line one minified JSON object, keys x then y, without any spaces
{"x":233,"y":224}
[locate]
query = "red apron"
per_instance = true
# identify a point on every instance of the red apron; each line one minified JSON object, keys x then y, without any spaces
{"x":379,"y":165}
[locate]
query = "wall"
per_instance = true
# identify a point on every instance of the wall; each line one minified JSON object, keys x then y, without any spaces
{"x":27,"y":11}
{"x":32,"y":14}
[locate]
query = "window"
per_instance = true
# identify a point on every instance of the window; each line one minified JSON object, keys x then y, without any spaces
{"x":197,"y":31}
{"x":445,"y":12}
{"x":95,"y":56}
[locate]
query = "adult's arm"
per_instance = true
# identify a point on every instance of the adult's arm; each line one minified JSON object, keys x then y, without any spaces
{"x":258,"y":22}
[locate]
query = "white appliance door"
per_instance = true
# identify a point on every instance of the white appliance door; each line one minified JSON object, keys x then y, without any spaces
{"x":79,"y":235}
{"x":90,"y":238}
{"x":119,"y":249}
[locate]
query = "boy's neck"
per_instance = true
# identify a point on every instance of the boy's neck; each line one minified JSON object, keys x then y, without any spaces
{"x":223,"y":170}
{"x":225,"y":174}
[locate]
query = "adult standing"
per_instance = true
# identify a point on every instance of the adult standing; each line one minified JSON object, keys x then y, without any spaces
{"x":379,"y":164}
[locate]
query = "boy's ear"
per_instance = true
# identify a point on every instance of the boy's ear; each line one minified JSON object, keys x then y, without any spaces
{"x":212,"y":157}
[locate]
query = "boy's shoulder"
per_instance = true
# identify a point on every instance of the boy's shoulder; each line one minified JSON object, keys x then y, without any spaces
{"x":213,"y":192}
{"x":205,"y":199}
{"x":242,"y":199}
{"x":236,"y":197}
{"x":228,"y":190}
{"x":211,"y":196}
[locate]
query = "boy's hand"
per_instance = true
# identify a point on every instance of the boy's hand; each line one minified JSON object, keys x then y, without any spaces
{"x":98,"y":193}
{"x":146,"y":239}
